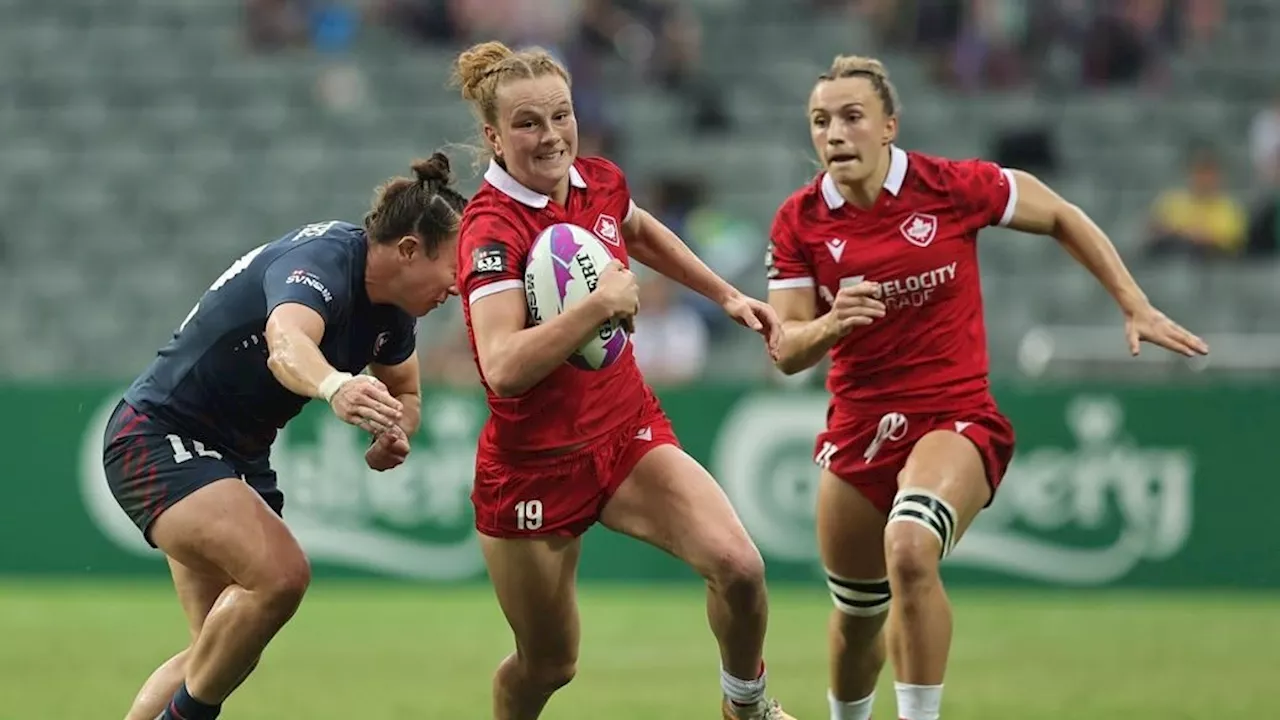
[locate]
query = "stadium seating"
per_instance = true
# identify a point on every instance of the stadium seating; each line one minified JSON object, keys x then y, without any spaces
{"x":142,"y":147}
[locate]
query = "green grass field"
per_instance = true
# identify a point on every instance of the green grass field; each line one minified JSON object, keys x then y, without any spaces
{"x":366,"y":651}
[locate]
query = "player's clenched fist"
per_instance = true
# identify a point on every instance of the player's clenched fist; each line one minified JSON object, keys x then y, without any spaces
{"x":389,"y":450}
{"x":618,"y":291}
{"x":363,"y":401}
{"x":856,"y":306}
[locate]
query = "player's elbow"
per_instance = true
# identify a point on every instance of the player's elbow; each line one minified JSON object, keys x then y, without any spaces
{"x":278,"y":363}
{"x":501,"y":387}
{"x":787,"y":365}
{"x":791,"y":363}
{"x":277,"y":349}
{"x":502,"y":377}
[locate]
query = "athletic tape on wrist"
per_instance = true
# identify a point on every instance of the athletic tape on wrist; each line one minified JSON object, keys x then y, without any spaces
{"x":330,"y":385}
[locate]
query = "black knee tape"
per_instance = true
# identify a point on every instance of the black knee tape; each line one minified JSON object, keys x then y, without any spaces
{"x":859,"y":598}
{"x":928,"y":510}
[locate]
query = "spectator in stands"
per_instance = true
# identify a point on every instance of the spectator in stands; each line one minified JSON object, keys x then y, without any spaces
{"x":427,"y":21}
{"x":661,"y":40}
{"x":276,"y":24}
{"x":1127,"y":43}
{"x":1264,"y":228}
{"x":1264,"y":144}
{"x":986,"y":52}
{"x":671,"y":338}
{"x":1201,"y":219}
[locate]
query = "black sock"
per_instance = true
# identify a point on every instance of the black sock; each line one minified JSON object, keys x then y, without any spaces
{"x":185,"y":707}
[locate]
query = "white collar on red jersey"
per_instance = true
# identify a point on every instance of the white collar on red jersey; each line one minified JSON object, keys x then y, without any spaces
{"x":892,"y":182}
{"x":509,"y":186}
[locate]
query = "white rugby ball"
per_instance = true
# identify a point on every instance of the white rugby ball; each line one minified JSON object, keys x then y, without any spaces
{"x":563,"y":267}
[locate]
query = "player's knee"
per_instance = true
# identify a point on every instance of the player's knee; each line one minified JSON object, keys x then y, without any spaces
{"x":738,"y":573}
{"x":912,"y":558}
{"x":550,"y":674}
{"x":285,"y":585}
{"x":921,"y":530}
{"x":911,"y":554}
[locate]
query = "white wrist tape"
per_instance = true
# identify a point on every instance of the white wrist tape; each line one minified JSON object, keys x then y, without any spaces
{"x":330,"y":385}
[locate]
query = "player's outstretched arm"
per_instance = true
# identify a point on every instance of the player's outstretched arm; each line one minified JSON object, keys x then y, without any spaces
{"x":655,"y":245}
{"x":1042,"y":211}
{"x":293,"y":335}
{"x":514,"y":358}
{"x":806,"y":336}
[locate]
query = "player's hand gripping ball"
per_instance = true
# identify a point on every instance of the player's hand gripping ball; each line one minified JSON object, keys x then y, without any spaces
{"x":567,"y":264}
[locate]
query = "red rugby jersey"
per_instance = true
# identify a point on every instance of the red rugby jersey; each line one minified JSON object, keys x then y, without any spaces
{"x":570,"y":406}
{"x":929,"y":352}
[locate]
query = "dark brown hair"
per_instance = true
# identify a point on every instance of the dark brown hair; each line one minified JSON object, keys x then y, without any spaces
{"x":425,"y":206}
{"x":847,"y":66}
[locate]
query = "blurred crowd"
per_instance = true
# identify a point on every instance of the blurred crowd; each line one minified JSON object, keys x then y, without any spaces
{"x":969,"y":45}
{"x":985,"y":44}
{"x":658,"y":40}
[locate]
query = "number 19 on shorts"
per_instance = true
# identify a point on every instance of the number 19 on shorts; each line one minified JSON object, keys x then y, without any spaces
{"x":529,"y":515}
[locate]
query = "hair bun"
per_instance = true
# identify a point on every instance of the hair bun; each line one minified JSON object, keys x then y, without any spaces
{"x":434,"y":171}
{"x":475,"y":63}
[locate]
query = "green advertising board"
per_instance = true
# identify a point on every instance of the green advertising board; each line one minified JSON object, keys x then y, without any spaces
{"x":1138,"y":486}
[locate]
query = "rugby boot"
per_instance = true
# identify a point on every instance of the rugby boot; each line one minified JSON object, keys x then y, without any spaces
{"x":766,"y":709}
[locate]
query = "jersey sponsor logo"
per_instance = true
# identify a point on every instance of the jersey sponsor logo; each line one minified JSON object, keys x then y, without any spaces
{"x":607,"y":228}
{"x":915,"y":290}
{"x":309,"y":279}
{"x":919,"y":229}
{"x":414,"y":521}
{"x":1087,"y":512}
{"x":381,"y":342}
{"x":836,"y":247}
{"x":489,"y":259}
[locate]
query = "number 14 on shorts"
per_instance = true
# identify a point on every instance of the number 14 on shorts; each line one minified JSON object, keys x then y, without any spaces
{"x":529,"y":515}
{"x":181,"y":454}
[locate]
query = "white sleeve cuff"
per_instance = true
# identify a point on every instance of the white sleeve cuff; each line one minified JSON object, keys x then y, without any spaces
{"x":1012,"y":205}
{"x":494,"y":288}
{"x":791,"y":283}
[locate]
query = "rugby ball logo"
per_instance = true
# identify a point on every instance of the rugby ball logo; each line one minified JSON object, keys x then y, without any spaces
{"x":919,"y":229}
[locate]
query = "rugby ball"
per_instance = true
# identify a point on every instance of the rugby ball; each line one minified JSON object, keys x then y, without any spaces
{"x":562,"y":269}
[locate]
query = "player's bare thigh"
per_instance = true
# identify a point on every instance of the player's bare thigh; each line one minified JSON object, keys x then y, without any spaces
{"x":670,"y":501}
{"x":850,"y":530}
{"x":535,"y":580}
{"x":226,"y":527}
{"x":949,"y":465}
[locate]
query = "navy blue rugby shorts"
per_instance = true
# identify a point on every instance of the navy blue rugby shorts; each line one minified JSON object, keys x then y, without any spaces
{"x":150,"y":467}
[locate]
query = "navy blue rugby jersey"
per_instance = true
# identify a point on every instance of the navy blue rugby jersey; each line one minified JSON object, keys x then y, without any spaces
{"x":211,"y":380}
